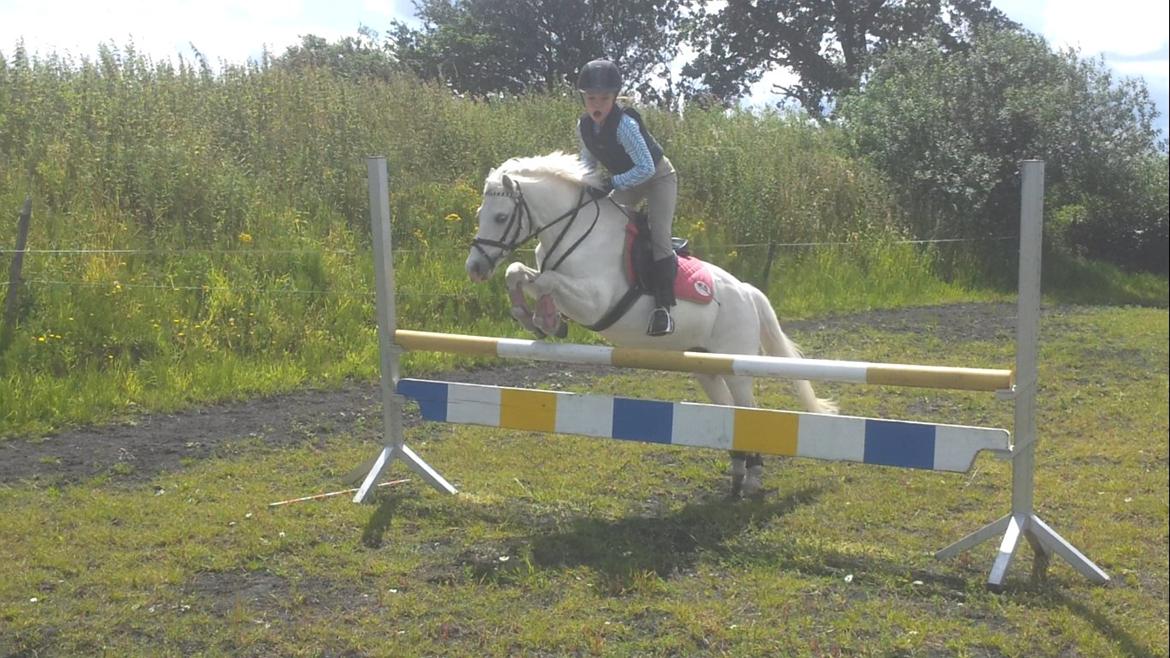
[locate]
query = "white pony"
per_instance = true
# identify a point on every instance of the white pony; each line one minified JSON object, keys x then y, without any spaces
{"x":580,"y":251}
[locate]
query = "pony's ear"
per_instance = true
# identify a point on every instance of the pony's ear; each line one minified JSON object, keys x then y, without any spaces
{"x":509,"y":186}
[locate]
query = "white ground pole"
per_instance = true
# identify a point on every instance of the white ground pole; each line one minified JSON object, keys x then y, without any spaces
{"x":1023,"y":519}
{"x":394,"y":443}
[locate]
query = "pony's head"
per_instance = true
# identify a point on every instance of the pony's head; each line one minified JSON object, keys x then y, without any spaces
{"x":518,"y":196}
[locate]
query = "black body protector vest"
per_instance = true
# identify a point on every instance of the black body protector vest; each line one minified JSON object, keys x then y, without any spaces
{"x":604,"y":144}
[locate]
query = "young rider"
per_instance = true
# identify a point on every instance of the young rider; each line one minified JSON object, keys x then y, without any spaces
{"x":616,"y":137}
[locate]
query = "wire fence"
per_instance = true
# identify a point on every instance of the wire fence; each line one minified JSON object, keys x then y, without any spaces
{"x":365,"y":294}
{"x":412,"y":250}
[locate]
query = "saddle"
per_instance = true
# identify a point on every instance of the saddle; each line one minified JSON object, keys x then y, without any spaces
{"x":693,"y":281}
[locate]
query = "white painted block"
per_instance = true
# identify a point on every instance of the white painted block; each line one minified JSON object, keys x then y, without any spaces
{"x":955,"y":445}
{"x":836,"y":438}
{"x":473,"y":403}
{"x":587,"y":415}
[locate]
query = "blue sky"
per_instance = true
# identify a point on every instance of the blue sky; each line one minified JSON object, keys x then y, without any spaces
{"x":1132,"y":35}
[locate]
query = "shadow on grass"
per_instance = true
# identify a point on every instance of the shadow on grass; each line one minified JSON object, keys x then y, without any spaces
{"x":623,"y":551}
{"x":1101,"y":622}
{"x":1071,"y":280}
{"x":375,"y":530}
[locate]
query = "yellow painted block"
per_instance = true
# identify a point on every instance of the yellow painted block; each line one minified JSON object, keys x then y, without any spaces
{"x":766,"y":431}
{"x":528,"y":410}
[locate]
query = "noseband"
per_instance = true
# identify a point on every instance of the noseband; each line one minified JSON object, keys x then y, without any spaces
{"x":510,"y":240}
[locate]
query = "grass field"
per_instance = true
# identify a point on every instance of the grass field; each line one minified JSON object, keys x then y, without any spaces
{"x":566,"y":546}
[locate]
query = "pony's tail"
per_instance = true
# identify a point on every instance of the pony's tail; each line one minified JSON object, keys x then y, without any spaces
{"x":776,"y":343}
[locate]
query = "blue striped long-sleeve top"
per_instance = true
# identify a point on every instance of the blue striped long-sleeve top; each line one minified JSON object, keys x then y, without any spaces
{"x":630,"y":137}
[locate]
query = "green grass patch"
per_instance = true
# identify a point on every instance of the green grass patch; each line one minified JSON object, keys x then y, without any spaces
{"x":557,"y":547}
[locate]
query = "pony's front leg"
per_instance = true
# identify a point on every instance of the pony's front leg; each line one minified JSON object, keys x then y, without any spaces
{"x":520,"y":281}
{"x":517,"y":278}
{"x":582,"y":300}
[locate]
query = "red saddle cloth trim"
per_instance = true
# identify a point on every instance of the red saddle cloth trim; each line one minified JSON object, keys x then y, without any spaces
{"x":693,"y":282}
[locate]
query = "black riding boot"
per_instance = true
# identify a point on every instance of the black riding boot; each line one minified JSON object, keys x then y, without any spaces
{"x":661,"y":323}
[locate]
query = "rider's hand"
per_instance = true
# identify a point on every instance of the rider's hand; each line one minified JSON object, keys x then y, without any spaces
{"x":604,"y":190}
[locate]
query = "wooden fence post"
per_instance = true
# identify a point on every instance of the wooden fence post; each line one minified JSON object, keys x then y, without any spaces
{"x":13,"y":292}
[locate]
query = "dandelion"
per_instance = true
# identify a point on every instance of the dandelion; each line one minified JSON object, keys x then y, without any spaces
{"x":453,"y":217}
{"x":245,"y":238}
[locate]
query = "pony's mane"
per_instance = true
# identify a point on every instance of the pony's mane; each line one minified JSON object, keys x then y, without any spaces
{"x":565,"y":166}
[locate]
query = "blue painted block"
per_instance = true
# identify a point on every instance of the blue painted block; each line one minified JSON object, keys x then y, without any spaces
{"x":431,"y":397}
{"x":892,"y":443}
{"x":642,"y":420}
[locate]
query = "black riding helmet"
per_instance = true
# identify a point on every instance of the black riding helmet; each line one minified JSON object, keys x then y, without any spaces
{"x":600,"y":75}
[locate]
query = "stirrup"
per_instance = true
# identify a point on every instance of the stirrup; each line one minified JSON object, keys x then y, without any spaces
{"x":661,"y":323}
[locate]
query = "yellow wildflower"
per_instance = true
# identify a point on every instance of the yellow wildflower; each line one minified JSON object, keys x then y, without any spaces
{"x":453,"y":217}
{"x":245,"y":238}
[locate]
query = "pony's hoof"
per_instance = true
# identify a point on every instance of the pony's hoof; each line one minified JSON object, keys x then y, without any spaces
{"x":753,"y":483}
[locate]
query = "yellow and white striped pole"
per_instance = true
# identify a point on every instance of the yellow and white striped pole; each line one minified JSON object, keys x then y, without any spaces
{"x":857,"y":372}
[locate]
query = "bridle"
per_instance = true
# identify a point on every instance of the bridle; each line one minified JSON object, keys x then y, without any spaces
{"x":511,"y":239}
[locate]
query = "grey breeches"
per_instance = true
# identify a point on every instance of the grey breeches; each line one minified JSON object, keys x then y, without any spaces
{"x":661,"y":195}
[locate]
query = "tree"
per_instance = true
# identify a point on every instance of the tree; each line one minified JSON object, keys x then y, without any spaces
{"x":354,"y":58}
{"x":483,"y":46}
{"x":829,"y":45}
{"x":952,"y":127}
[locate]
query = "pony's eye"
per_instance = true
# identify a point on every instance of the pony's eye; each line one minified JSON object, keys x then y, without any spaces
{"x":501,"y":218}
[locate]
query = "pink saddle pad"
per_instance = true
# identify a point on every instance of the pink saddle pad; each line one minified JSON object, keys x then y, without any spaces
{"x":693,"y":282}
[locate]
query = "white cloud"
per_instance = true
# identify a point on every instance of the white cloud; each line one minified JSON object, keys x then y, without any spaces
{"x":231,"y":30}
{"x":762,"y":94}
{"x":1121,"y":27}
{"x":1152,"y":70}
{"x":384,"y":8}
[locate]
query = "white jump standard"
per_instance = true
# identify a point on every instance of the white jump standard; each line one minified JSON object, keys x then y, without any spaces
{"x":892,"y":443}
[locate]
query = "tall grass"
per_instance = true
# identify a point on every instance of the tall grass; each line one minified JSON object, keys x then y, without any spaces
{"x":242,"y":196}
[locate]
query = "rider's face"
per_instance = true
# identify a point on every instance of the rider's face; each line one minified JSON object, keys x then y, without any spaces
{"x":598,"y":104}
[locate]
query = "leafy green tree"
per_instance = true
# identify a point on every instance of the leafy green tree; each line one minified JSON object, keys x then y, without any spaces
{"x":952,"y":127}
{"x":829,"y":45}
{"x":355,"y":58}
{"x":482,"y":46}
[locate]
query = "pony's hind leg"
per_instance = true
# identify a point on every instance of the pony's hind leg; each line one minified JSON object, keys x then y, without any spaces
{"x":753,"y":465}
{"x":716,"y":389}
